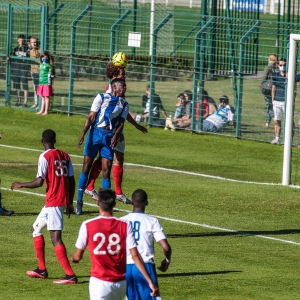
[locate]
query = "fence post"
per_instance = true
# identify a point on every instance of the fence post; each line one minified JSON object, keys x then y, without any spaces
{"x":238,"y":133}
{"x":72,"y":52}
{"x":198,"y":77}
{"x":8,"y":51}
{"x":113,"y":31}
{"x":53,"y":15}
{"x":153,"y":62}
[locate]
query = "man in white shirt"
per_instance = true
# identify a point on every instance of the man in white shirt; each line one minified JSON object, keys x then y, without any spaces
{"x":146,"y":229}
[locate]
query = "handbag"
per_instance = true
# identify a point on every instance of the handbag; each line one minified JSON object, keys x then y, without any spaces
{"x":266,"y":88}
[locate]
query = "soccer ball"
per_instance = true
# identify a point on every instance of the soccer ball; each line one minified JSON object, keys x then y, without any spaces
{"x":120,"y":60}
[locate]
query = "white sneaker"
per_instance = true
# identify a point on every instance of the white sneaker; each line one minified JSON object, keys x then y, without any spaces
{"x":123,"y":198}
{"x":275,"y":142}
{"x":34,"y":106}
{"x":92,"y":194}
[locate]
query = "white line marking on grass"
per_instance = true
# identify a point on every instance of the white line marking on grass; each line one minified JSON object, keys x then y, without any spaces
{"x":181,"y":221}
{"x":169,"y":170}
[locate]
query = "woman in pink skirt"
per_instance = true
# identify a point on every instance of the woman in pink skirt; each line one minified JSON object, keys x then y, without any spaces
{"x":45,"y":82}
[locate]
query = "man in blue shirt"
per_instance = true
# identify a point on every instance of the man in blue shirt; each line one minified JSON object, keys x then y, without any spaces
{"x":278,"y":97}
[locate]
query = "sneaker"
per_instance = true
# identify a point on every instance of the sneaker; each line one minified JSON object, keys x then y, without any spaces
{"x":18,"y":104}
{"x":92,"y":194}
{"x":34,"y":106}
{"x":275,"y":142}
{"x":5,"y":212}
{"x":69,"y":279}
{"x":37,"y":273}
{"x":79,"y":205}
{"x":24,"y":105}
{"x":123,"y":198}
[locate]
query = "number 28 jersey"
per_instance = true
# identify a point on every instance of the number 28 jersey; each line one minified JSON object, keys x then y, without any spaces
{"x":107,"y":239}
{"x":55,"y":167}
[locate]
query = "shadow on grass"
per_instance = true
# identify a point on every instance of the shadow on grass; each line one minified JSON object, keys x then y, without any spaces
{"x":236,"y":233}
{"x":197,"y":273}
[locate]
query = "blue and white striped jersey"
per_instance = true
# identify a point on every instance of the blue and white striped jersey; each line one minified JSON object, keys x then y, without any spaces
{"x":109,"y":110}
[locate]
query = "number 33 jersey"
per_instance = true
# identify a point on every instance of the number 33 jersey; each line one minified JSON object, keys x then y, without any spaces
{"x":107,"y":239}
{"x":55,"y":167}
{"x":146,"y":229}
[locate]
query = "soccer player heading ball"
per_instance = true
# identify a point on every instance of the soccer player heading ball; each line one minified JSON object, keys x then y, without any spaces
{"x":120,"y":60}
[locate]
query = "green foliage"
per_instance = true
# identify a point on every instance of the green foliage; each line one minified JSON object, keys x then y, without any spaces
{"x":207,"y":262}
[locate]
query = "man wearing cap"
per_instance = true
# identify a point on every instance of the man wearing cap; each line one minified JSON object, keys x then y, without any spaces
{"x":219,"y":120}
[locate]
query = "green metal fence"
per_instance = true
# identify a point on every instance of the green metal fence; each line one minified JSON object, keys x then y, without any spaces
{"x":189,"y":51}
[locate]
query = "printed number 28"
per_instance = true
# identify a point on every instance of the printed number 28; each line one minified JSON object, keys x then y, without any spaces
{"x":113,"y":243}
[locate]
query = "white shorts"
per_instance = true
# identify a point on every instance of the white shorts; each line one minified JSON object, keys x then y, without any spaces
{"x":278,"y":108}
{"x":100,"y":289}
{"x":120,"y":147}
{"x":53,"y":217}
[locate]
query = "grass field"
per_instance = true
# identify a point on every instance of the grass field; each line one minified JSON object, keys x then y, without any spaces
{"x":233,"y":228}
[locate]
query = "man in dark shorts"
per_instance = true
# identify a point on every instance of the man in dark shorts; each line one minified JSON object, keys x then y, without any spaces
{"x":20,"y":70}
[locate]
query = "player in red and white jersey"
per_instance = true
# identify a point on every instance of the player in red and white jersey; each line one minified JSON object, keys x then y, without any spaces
{"x":146,"y":229}
{"x":107,"y":239}
{"x":55,"y":167}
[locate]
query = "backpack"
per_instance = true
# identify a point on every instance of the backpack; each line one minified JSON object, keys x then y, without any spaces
{"x":266,"y":86}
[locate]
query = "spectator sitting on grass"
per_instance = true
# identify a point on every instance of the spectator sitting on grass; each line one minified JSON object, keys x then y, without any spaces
{"x":220,"y":119}
{"x":179,"y":113}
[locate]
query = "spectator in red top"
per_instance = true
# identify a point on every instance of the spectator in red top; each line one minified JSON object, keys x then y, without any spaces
{"x":55,"y":167}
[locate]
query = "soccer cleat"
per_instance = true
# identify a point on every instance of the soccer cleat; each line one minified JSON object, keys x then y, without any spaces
{"x":37,"y":273}
{"x":79,"y":205}
{"x":5,"y":212}
{"x":92,"y":194}
{"x":275,"y":142}
{"x":123,"y":198}
{"x":69,"y":279}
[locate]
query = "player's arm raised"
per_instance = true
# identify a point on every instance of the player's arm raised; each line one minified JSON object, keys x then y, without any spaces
{"x":139,"y":127}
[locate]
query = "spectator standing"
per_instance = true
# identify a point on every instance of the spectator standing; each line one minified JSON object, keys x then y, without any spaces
{"x":55,"y":167}
{"x":20,"y":70}
{"x":45,"y":82}
{"x":279,"y":82}
{"x":146,"y":229}
{"x":220,"y":119}
{"x":108,"y":239}
{"x":35,"y":68}
{"x":267,"y":75}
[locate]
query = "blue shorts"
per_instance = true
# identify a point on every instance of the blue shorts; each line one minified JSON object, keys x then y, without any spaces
{"x":137,"y":285}
{"x":98,"y":141}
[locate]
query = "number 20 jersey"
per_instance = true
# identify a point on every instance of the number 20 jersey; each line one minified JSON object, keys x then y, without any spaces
{"x":107,"y":239}
{"x":55,"y":167}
